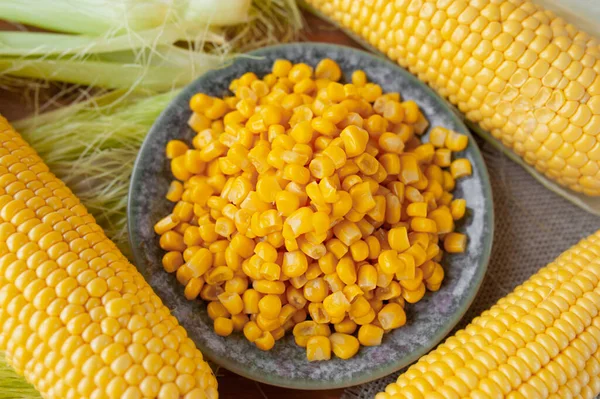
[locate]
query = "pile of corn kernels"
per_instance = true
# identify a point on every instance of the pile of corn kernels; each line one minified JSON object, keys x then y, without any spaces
{"x":308,"y":205}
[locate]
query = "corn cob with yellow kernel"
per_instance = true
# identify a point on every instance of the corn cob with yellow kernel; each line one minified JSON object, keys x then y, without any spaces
{"x":540,"y":341}
{"x":76,"y":318}
{"x":514,"y":68}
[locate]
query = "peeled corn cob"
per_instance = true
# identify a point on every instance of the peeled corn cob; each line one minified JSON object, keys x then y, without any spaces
{"x":540,"y":341}
{"x":523,"y":74}
{"x":76,"y":318}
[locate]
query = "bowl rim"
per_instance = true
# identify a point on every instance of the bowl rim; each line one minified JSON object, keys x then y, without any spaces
{"x":435,"y":339}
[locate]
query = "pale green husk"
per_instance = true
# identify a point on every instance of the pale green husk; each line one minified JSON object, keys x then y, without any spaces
{"x":92,"y":145}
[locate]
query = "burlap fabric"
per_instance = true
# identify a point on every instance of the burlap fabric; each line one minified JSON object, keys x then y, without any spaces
{"x":533,"y":226}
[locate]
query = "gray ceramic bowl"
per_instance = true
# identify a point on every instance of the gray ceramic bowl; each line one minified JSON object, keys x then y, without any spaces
{"x":429,"y":321}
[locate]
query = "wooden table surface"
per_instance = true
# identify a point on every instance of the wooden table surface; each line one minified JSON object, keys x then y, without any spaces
{"x":14,"y":106}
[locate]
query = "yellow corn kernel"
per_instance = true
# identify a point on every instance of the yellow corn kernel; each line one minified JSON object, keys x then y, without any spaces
{"x":238,"y":284}
{"x":286,"y":202}
{"x":336,"y":304}
{"x":224,"y":227}
{"x":166,"y":224}
{"x":318,"y":314}
{"x":458,"y":208}
{"x":370,"y":335}
{"x":175,"y":191}
{"x":359,"y":251}
{"x":303,"y":330}
{"x":218,"y":275}
{"x":367,"y":164}
{"x":322,"y":167}
{"x":318,"y":348}
{"x":239,"y":321}
{"x":355,"y":140}
{"x":269,"y":287}
{"x":251,"y":298}
{"x":344,"y":346}
{"x":328,"y":69}
{"x":437,"y":136}
{"x":374,"y":246}
{"x":346,"y":326}
{"x":269,"y":271}
{"x":398,"y":238}
{"x":265,"y":342}
{"x":334,"y":282}
{"x":178,"y":168}
{"x":362,"y":198}
{"x":296,"y":173}
{"x":200,"y":101}
{"x":352,"y":291}
{"x":327,"y":263}
{"x":299,"y":71}
{"x":336,"y":247}
{"x":393,"y":290}
{"x":216,"y":310}
{"x":442,"y":157}
{"x":407,"y":267}
{"x":223,"y":326}
{"x":295,"y":298}
{"x":334,"y":92}
{"x":393,"y":111}
{"x":270,"y":306}
{"x":294,"y":264}
{"x":389,"y":261}
{"x":266,"y":252}
{"x":460,"y":168}
{"x":210,"y":292}
{"x":232,"y":302}
{"x":414,"y":296}
{"x":281,"y":68}
{"x":313,"y":192}
{"x":171,"y":261}
{"x":242,"y":245}
{"x":455,"y":242}
{"x":424,"y":225}
{"x":391,"y":143}
{"x":390,"y":162}
{"x":346,"y":270}
{"x":347,"y":232}
{"x":175,"y":148}
{"x":192,"y":288}
{"x":410,"y":172}
{"x":315,"y":290}
{"x":412,"y":284}
{"x":299,"y":190}
{"x":286,"y":313}
{"x":456,"y":142}
{"x":251,"y":331}
{"x":184,"y":211}
{"x":443,"y":220}
{"x":391,"y":316}
{"x":417,"y":209}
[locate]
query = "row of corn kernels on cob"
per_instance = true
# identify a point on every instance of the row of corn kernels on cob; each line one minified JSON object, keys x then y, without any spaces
{"x":521,"y":73}
{"x":540,"y":341}
{"x":76,"y":318}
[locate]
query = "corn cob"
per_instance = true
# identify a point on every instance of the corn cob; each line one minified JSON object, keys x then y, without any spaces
{"x":523,"y":74}
{"x":540,"y":341}
{"x":76,"y":318}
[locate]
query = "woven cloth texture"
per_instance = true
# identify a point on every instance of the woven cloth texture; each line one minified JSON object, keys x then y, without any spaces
{"x":533,"y":226}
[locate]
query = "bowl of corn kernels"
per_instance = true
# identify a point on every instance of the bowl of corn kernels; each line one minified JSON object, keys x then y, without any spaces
{"x":314,"y":216}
